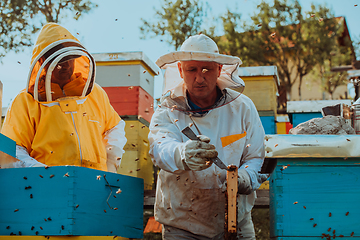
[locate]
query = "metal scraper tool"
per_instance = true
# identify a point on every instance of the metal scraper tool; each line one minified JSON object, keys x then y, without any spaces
{"x":191,"y":135}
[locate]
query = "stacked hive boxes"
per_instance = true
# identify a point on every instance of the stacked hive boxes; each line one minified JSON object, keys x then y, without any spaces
{"x":128,"y":79}
{"x":261,"y":86}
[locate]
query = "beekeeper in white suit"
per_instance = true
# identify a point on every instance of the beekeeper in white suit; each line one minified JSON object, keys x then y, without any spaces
{"x":190,"y":199}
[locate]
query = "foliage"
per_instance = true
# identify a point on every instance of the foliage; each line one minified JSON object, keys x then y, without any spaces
{"x":20,"y":19}
{"x":178,"y":19}
{"x":280,"y":34}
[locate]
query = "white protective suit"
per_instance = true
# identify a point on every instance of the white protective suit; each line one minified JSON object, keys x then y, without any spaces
{"x":193,"y":200}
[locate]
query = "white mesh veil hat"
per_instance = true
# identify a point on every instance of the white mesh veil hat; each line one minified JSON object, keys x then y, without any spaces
{"x":199,"y":48}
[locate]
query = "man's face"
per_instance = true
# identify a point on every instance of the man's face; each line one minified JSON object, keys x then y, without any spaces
{"x":200,"y":79}
{"x":63,"y":72}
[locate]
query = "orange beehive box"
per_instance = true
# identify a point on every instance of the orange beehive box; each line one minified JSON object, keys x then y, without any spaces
{"x":131,"y":101}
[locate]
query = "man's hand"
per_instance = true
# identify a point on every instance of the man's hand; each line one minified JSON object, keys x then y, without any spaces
{"x":199,"y":153}
{"x":244,"y":183}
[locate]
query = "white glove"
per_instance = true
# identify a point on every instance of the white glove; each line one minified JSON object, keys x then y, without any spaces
{"x":244,"y":183}
{"x":197,"y":154}
{"x":39,"y":164}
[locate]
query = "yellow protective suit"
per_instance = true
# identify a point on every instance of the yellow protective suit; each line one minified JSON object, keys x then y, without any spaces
{"x":63,"y":125}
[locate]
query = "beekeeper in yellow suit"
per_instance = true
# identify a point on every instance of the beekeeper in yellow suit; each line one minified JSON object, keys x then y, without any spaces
{"x":63,"y":117}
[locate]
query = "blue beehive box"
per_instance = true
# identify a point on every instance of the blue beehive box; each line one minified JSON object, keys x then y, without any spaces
{"x":314,"y":192}
{"x":7,"y":145}
{"x":70,"y":200}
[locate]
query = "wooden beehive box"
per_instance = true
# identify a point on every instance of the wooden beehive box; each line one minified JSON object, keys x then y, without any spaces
{"x":261,"y":86}
{"x":70,"y":200}
{"x":125,"y":69}
{"x":303,"y":111}
{"x":131,"y":102}
{"x":313,"y":196}
{"x":136,"y":160}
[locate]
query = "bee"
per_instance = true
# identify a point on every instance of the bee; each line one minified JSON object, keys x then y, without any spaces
{"x":118,"y":191}
{"x":176,"y":120}
{"x":273,"y":34}
{"x":352,"y":234}
{"x":172,"y":110}
{"x":156,"y":125}
{"x":25,"y":178}
{"x":131,"y":126}
{"x":329,"y":230}
{"x":177,"y":177}
{"x":129,"y":76}
{"x":115,"y":208}
{"x":104,"y":211}
{"x":62,"y":227}
{"x":77,"y":206}
{"x":36,"y":233}
{"x":311,"y":219}
{"x":41,"y":228}
{"x":31,"y":196}
{"x":329,"y":214}
{"x":296,"y":202}
{"x":133,"y":145}
{"x":259,"y":25}
{"x":191,"y":124}
{"x":32,"y":228}
{"x":29,"y":187}
{"x":276,"y":145}
{"x":66,"y":175}
{"x":138,"y":169}
{"x":98,"y":177}
{"x":144,"y":71}
{"x":52,"y":175}
{"x":8,"y":227}
{"x":49,"y":218}
{"x":314,"y":225}
{"x":137,"y":159}
{"x":304,"y":207}
{"x":216,"y":215}
{"x":346,"y":213}
{"x":131,"y":86}
{"x":16,"y":210}
{"x":204,"y":70}
{"x":40,"y":176}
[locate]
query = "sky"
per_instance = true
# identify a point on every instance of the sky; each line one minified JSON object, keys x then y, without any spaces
{"x":114,"y":26}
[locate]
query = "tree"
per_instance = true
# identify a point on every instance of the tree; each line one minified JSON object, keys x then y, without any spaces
{"x":20,"y":19}
{"x":179,"y":20}
{"x":280,"y":34}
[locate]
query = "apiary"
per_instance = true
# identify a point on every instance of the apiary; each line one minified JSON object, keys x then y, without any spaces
{"x":136,"y":160}
{"x":302,"y":111}
{"x":131,"y":102}
{"x":125,"y":69}
{"x":261,"y":86}
{"x":315,"y":187}
{"x":70,"y":201}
